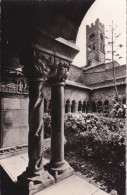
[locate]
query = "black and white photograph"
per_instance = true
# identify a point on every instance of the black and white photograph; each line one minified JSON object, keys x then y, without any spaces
{"x":63,"y":97}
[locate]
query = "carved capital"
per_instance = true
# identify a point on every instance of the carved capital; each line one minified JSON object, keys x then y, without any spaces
{"x":58,"y":71}
{"x":48,"y":67}
{"x":39,"y":70}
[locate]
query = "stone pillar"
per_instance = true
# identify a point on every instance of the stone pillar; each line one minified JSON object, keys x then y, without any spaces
{"x":58,"y":167}
{"x":76,"y":107}
{"x":35,"y":177}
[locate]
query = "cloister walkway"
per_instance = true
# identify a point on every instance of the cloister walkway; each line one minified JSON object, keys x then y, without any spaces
{"x":73,"y":185}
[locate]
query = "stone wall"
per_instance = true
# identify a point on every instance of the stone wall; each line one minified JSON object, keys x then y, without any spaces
{"x":14,"y":123}
{"x":76,"y":94}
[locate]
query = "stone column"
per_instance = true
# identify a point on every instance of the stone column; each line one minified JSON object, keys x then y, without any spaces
{"x":35,"y":177}
{"x":76,"y":107}
{"x":58,"y":167}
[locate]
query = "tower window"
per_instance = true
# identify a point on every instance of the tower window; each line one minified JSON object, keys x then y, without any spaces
{"x":101,"y":46}
{"x":94,"y":46}
{"x":101,"y":36}
{"x":92,"y":37}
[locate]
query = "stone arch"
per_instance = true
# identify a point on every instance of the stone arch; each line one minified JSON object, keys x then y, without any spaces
{"x":73,"y":106}
{"x":93,"y":105}
{"x":99,"y":106}
{"x":84,"y":106}
{"x":67,"y":106}
{"x":92,"y":36}
{"x":79,"y":106}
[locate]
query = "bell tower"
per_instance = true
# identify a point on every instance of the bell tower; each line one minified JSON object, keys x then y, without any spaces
{"x":95,"y":44}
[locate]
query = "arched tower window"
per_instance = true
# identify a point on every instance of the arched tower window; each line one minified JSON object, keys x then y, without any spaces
{"x":80,"y":106}
{"x":73,"y":106}
{"x":92,"y":37}
{"x":101,"y":37}
{"x":67,"y":106}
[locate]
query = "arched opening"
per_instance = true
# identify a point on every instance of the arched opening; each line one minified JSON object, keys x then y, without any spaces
{"x":99,"y":106}
{"x":73,"y":106}
{"x":45,"y":105}
{"x":84,"y":107}
{"x":93,"y":107}
{"x":106,"y":102}
{"x":106,"y":108}
{"x":92,"y":37}
{"x":80,"y":106}
{"x":67,"y":106}
{"x":101,"y":36}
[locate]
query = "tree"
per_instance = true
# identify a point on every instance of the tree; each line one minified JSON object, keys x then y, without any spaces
{"x":111,"y":44}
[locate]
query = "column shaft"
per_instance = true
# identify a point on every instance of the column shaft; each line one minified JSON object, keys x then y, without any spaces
{"x":57,"y":115}
{"x":35,"y":138}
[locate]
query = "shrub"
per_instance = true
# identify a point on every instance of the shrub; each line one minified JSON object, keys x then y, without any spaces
{"x":47,"y":125}
{"x":103,"y":138}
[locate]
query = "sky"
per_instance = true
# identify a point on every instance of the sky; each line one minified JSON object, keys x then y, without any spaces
{"x":107,"y":11}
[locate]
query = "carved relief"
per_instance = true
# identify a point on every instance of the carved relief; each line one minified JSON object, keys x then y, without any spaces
{"x":14,"y":85}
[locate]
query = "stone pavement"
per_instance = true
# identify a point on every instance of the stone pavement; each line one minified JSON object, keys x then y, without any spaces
{"x":73,"y":185}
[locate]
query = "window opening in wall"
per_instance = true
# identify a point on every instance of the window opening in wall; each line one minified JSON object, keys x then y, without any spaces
{"x":99,"y":106}
{"x":80,"y":106}
{"x":67,"y":106}
{"x":84,"y":107}
{"x":73,"y":106}
{"x":93,"y":107}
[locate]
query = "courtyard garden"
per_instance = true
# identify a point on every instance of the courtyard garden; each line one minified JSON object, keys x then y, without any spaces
{"x":95,"y":148}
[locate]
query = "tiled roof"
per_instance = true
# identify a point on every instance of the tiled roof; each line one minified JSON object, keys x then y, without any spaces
{"x":109,"y":83}
{"x":75,"y":84}
{"x":99,"y":76}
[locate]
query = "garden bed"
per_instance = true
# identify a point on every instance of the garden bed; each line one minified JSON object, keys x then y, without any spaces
{"x":95,"y":147}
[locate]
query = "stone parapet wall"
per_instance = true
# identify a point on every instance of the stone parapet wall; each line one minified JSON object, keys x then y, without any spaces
{"x":14,"y":119}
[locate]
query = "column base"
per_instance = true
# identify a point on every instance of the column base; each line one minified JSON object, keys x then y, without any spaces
{"x":28,"y":185}
{"x":59,"y":172}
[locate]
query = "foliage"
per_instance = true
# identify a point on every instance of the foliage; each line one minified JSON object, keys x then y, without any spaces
{"x":118,"y":109}
{"x":103,"y":139}
{"x":47,"y":125}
